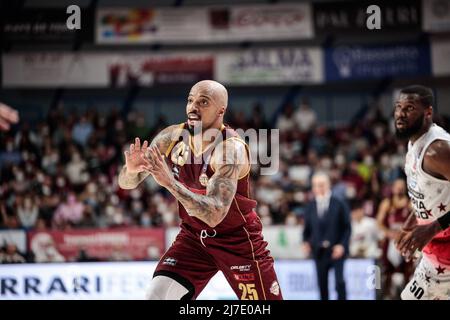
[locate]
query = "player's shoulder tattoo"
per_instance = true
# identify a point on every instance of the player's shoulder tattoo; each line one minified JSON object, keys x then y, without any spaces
{"x":166,"y":137}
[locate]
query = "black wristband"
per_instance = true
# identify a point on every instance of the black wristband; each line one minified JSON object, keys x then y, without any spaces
{"x":444,"y":221}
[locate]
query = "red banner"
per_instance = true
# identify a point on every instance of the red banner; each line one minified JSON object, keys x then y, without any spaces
{"x":104,"y":245}
{"x":148,"y":70}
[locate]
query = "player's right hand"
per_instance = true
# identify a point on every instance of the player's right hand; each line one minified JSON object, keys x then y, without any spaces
{"x":135,"y":158}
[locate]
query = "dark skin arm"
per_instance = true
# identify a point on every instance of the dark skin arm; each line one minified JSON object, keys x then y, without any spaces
{"x":415,"y":237}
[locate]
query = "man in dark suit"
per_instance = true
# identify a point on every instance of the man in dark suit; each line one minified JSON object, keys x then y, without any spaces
{"x":326,"y":234}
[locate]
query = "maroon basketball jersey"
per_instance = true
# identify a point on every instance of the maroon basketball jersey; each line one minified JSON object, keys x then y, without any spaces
{"x":188,"y":171}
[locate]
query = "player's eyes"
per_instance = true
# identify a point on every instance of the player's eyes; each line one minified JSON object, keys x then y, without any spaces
{"x":189,"y":100}
{"x":408,"y":108}
{"x":204,"y":102}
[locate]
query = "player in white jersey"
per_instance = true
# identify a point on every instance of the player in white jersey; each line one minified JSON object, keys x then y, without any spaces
{"x":428,"y":176}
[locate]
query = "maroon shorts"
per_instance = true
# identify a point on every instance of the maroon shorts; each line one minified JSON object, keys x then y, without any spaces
{"x":195,"y":257}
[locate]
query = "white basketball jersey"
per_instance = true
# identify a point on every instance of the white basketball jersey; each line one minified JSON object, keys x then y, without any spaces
{"x":430,"y":196}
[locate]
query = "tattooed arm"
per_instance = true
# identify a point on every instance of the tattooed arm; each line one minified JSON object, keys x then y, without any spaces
{"x":229,"y":161}
{"x":134,"y":172}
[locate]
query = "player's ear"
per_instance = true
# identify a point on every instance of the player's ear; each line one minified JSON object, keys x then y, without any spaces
{"x":429,"y":112}
{"x":222,"y":111}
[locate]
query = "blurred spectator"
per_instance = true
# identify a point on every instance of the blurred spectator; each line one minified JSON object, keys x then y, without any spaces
{"x":9,"y":218}
{"x":392,"y":213}
{"x":258,"y":118}
{"x":76,"y":170}
{"x":305,"y":117}
{"x":28,"y":211}
{"x":10,"y":254}
{"x":83,"y":256}
{"x":82,"y":131}
{"x":68,"y":213}
{"x":44,"y":249}
{"x":89,"y":219}
{"x":9,"y":155}
{"x":137,"y":126}
{"x":286,"y":121}
{"x":365,"y":234}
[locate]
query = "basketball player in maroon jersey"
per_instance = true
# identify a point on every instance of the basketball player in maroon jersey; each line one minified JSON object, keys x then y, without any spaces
{"x":220,"y":229}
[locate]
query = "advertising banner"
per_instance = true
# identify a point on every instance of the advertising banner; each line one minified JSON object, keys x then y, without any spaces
{"x":45,"y":25}
{"x":263,"y":22}
{"x":298,"y":279}
{"x":102,"y":245}
{"x":436,"y":15}
{"x":284,"y":242}
{"x":129,"y":281}
{"x":147,"y":25}
{"x":87,"y":70}
{"x":203,"y":25}
{"x":54,"y":69}
{"x":270,"y":66}
{"x":170,"y":68}
{"x":351,"y":17}
{"x":372,"y":62}
{"x":440,"y":55}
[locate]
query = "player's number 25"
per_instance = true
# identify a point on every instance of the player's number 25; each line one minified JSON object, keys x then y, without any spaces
{"x":248,"y":291}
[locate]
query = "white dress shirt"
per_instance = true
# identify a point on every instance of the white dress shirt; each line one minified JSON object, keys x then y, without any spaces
{"x":323,"y":202}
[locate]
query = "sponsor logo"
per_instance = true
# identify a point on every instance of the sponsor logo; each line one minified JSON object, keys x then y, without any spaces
{"x":170,"y":261}
{"x":275,"y":288}
{"x":244,"y":277}
{"x":244,"y":268}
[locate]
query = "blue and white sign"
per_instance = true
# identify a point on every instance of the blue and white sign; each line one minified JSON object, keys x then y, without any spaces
{"x":270,"y":66}
{"x":371,"y":62}
{"x":298,"y":279}
{"x":129,"y":280}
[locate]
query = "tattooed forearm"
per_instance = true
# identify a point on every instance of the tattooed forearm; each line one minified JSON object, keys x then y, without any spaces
{"x":130,"y":181}
{"x":213,"y":207}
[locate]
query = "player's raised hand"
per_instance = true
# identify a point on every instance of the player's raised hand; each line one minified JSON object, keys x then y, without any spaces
{"x":8,"y":116}
{"x":135,"y":159}
{"x":159,"y":169}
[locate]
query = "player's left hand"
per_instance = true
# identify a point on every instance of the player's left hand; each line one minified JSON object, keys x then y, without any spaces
{"x":416,"y":239}
{"x":159,"y":168}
